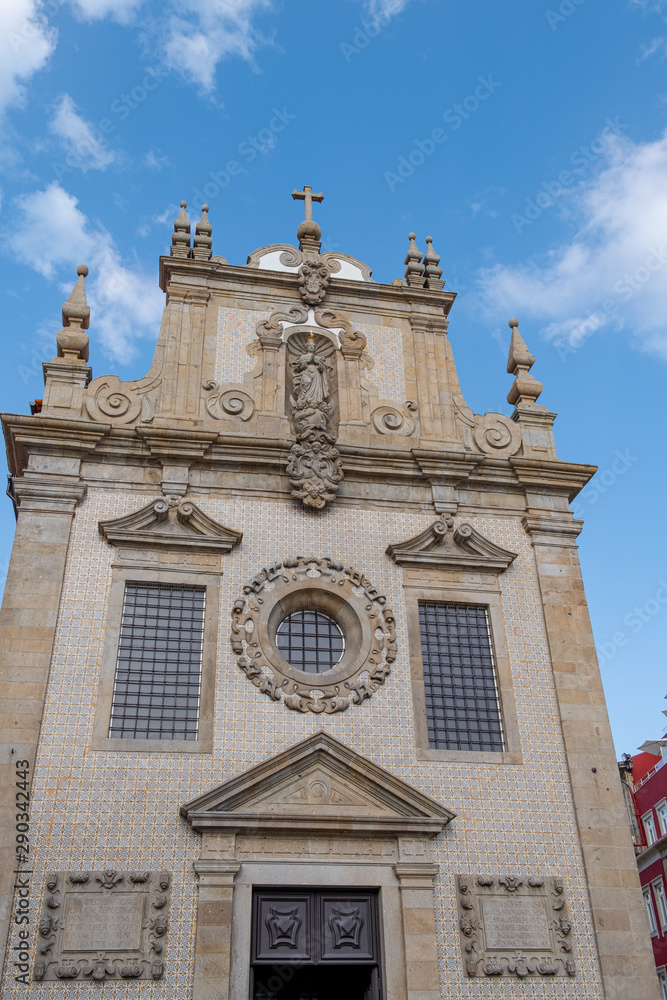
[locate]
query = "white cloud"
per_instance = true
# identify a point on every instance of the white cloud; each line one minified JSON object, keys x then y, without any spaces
{"x":83,"y":147}
{"x":122,"y":11}
{"x":52,"y":235}
{"x":202,"y":32}
{"x":655,"y":45}
{"x":155,"y":159}
{"x":381,"y":11}
{"x":612,"y":275}
{"x":26,"y":42}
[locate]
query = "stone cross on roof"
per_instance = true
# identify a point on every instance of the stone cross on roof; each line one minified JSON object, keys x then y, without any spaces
{"x":309,"y":233}
{"x":307,"y":196}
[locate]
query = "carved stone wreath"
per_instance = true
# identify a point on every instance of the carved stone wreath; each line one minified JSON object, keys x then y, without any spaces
{"x":102,"y":925}
{"x":342,"y":593}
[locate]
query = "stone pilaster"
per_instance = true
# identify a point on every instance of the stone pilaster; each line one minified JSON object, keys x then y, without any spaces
{"x":27,"y":628}
{"x":619,"y":914}
{"x":437,"y":383}
{"x":214,"y":929}
{"x":421,"y":947}
{"x":185,"y":319}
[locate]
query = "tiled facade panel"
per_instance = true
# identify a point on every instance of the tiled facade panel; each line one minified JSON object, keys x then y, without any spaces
{"x":385,"y":346}
{"x":94,"y":809}
{"x":236,"y":330}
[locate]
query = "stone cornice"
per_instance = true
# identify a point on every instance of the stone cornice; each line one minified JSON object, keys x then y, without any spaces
{"x":552,"y":475}
{"x":454,"y":467}
{"x":212,"y":273}
{"x":26,"y":435}
{"x":469,"y":470}
{"x":552,"y":529}
{"x":165,"y":442}
{"x":48,"y":493}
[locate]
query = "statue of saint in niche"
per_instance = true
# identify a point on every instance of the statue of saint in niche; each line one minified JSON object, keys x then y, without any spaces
{"x":311,"y":382}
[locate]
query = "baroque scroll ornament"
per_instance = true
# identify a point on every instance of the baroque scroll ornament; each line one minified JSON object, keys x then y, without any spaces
{"x":314,"y":465}
{"x":361,"y":670}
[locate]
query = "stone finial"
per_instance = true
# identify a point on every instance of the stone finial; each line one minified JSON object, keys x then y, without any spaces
{"x":180,"y":241}
{"x":432,"y":273}
{"x":202,"y":243}
{"x":413,"y":271}
{"x":72,"y":341}
{"x":526,"y":388}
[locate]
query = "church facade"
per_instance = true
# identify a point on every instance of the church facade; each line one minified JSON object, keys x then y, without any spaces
{"x":300,"y":689}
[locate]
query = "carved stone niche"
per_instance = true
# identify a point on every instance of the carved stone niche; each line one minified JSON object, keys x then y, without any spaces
{"x":341,"y":593}
{"x":513,"y":926}
{"x":444,"y":546}
{"x":102,"y":926}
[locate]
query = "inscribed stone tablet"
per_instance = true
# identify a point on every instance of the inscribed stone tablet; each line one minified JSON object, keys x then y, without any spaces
{"x":516,"y":923}
{"x":103,"y":922}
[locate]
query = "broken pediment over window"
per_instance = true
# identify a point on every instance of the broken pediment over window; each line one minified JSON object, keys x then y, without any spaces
{"x":445,"y":546}
{"x":170,"y":522}
{"x":320,"y":786}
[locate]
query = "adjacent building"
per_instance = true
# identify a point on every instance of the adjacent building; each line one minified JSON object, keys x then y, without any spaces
{"x":645,"y":776}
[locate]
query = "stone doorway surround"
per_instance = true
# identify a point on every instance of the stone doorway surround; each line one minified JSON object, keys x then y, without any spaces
{"x":319,"y":814}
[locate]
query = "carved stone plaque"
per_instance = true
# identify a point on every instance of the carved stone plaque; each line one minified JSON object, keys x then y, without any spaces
{"x":513,"y":923}
{"x":103,"y":925}
{"x":94,"y":922}
{"x":512,"y":926}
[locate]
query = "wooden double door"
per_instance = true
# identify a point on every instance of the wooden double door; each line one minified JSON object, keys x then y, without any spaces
{"x":315,"y":944}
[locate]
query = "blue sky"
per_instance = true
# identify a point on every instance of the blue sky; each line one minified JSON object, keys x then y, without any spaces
{"x":529,"y":139}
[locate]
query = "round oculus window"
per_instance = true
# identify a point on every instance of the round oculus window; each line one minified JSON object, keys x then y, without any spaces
{"x":310,"y":641}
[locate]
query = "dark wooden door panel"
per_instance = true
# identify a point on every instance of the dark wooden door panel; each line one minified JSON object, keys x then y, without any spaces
{"x":315,"y":927}
{"x":283,"y":928}
{"x":347,"y":925}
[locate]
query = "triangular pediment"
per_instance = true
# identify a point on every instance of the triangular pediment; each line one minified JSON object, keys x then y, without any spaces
{"x":320,"y":786}
{"x":444,"y":546}
{"x":170,"y":522}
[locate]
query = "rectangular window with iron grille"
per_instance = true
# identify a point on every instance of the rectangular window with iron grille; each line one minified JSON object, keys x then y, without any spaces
{"x":461,"y":690}
{"x":158,"y":670}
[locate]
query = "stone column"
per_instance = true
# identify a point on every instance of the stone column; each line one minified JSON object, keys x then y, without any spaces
{"x":619,"y":914}
{"x":214,"y":929}
{"x":421,"y":947}
{"x":27,"y":627}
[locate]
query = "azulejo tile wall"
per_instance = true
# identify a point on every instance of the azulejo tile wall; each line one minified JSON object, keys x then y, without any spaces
{"x":385,"y":346}
{"x":94,"y":809}
{"x":236,"y":330}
